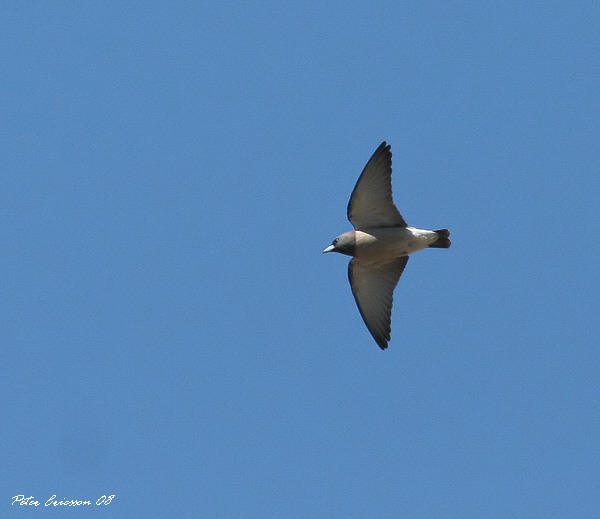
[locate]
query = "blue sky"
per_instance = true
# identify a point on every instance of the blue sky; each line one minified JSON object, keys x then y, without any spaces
{"x":172,"y":333}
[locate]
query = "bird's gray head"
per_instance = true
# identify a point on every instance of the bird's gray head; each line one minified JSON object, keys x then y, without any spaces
{"x":344,"y":244}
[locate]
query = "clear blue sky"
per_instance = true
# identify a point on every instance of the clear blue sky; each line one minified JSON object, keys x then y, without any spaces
{"x":171,"y":332}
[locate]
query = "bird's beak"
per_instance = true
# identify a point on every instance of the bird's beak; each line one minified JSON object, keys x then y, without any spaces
{"x":331,"y":248}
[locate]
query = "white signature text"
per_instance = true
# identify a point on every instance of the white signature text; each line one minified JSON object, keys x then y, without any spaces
{"x":22,"y":500}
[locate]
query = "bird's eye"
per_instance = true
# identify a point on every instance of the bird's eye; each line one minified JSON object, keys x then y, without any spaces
{"x":335,"y":241}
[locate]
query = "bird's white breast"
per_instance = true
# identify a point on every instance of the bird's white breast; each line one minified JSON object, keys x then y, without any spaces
{"x":383,"y":243}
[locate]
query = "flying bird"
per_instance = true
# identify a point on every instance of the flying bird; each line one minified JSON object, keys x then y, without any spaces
{"x":380,"y":244}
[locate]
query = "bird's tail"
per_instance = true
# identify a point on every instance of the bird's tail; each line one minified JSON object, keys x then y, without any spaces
{"x":442,"y":242}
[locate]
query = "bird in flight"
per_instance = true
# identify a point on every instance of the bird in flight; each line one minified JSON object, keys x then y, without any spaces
{"x":380,"y":244}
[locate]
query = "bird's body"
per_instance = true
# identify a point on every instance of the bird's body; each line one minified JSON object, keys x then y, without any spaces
{"x":385,"y":243}
{"x":379,"y":244}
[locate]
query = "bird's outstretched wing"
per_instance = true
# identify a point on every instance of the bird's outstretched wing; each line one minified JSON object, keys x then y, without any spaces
{"x":373,"y":288}
{"x":371,"y":203}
